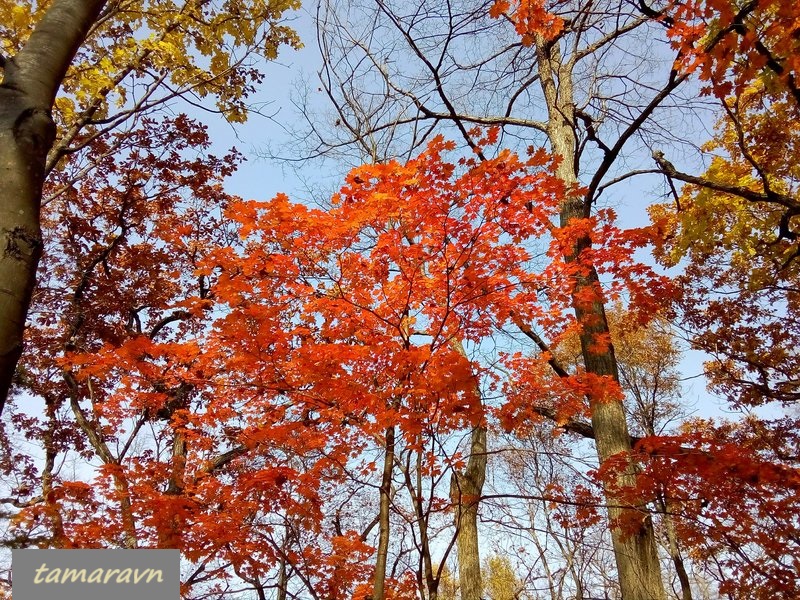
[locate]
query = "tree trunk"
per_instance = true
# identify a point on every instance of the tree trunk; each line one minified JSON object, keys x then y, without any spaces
{"x":667,"y":508}
{"x":635,"y":552}
{"x":416,"y":492}
{"x":379,"y":581}
{"x":170,"y":536}
{"x":60,"y":539}
{"x":465,"y":491}
{"x":27,"y":92}
{"x":95,"y":436}
{"x":26,"y":134}
{"x":283,"y":578}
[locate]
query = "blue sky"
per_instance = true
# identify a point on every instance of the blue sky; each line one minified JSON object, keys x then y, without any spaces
{"x":261,"y":178}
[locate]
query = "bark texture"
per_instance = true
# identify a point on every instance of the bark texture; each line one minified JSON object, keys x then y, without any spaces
{"x":465,"y":490}
{"x":29,"y":85}
{"x":635,"y":552}
{"x":379,"y":580}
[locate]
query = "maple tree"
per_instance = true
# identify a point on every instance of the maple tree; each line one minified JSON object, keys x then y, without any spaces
{"x":734,"y":228}
{"x":112,"y":61}
{"x":532,"y":92}
{"x":421,"y":265}
{"x":306,"y":401}
{"x":410,"y":259}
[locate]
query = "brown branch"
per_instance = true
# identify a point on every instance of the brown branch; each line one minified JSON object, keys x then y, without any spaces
{"x":668,"y":169}
{"x":225,"y":458}
{"x":178,"y":315}
{"x":17,"y":503}
{"x":533,"y":336}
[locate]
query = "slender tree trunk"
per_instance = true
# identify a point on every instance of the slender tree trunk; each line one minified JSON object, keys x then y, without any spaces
{"x":674,"y":549}
{"x":465,"y":491}
{"x":635,"y":552}
{"x":431,"y":582}
{"x":283,"y":578}
{"x":60,"y":539}
{"x":27,"y":92}
{"x":379,"y":581}
{"x":171,"y":536}
{"x":94,"y":434}
{"x":126,"y":511}
{"x":680,"y":567}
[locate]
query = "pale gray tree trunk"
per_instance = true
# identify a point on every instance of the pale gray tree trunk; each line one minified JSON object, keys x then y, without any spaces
{"x":667,"y":508}
{"x":30,"y":81}
{"x":466,"y":488}
{"x":636,"y":553}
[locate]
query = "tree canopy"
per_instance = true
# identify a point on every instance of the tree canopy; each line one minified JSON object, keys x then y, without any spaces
{"x":459,"y":375}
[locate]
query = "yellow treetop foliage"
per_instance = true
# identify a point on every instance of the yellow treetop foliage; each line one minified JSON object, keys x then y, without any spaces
{"x":142,"y":54}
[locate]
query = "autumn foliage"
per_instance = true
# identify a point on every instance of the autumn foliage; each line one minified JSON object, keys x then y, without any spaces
{"x":225,"y":370}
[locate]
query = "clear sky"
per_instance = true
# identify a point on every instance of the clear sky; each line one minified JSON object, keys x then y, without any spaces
{"x":267,"y":127}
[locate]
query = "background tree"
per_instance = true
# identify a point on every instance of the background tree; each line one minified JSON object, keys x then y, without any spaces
{"x":501,"y":580}
{"x":425,"y":70}
{"x":113,"y":62}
